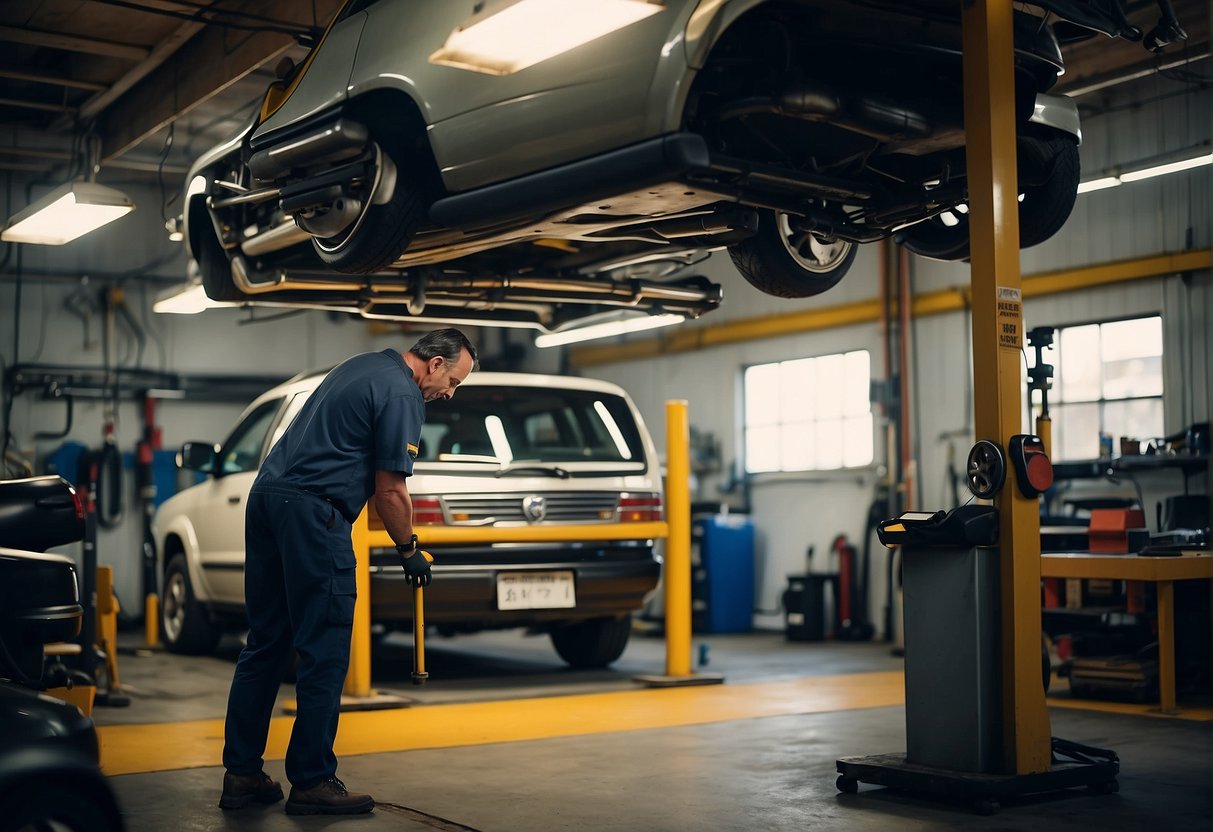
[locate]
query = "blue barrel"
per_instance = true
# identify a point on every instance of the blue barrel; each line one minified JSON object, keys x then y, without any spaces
{"x":722,"y":587}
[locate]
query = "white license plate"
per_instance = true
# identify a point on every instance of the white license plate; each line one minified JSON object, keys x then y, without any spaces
{"x":535,"y":590}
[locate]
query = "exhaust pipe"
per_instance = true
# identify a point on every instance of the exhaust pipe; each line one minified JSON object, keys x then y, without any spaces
{"x":278,"y":281}
{"x":335,"y":142}
{"x":275,"y":239}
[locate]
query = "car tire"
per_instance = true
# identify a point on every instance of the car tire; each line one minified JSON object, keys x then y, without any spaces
{"x":593,"y":643}
{"x":382,"y":231}
{"x":67,"y":803}
{"x":1050,"y":164}
{"x":790,"y":264}
{"x":186,"y":626}
{"x":213,"y":264}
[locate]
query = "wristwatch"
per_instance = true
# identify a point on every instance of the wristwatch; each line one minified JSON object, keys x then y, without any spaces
{"x":406,"y":551}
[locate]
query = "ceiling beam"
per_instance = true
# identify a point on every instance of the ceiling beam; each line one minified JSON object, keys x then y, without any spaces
{"x":71,"y":43}
{"x":163,"y":51}
{"x":211,"y":61}
{"x":145,"y":166}
{"x":35,"y":105}
{"x":52,"y":80}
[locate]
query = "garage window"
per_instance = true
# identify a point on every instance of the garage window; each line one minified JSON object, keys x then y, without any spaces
{"x":809,"y":414}
{"x":1107,"y":379}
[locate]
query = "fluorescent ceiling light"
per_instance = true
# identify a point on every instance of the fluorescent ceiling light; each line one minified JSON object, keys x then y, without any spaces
{"x":1192,"y":161}
{"x":503,"y":38}
{"x":1192,"y":157}
{"x":189,"y":299}
{"x":68,"y":212}
{"x":606,"y":330}
{"x":1098,"y":184}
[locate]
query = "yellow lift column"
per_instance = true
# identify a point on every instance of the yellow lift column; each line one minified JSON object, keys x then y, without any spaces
{"x":1027,"y":745}
{"x":997,"y":321}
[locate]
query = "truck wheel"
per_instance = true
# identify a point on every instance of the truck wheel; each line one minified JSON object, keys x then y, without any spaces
{"x":1049,"y":173}
{"x":186,"y":626}
{"x":593,"y":643}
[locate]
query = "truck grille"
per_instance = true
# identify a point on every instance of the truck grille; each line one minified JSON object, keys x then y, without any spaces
{"x":561,"y":507}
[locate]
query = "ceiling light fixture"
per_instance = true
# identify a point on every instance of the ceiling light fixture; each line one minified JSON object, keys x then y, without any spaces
{"x":504,"y":37}
{"x":606,"y":329}
{"x":1192,"y":157}
{"x":68,"y":212}
{"x":187,"y":299}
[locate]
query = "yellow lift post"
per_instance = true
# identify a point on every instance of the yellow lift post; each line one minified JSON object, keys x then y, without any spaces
{"x":1027,"y":746}
{"x":997,"y":323}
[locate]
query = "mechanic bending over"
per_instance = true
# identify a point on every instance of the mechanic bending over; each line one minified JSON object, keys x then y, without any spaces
{"x":357,"y":435}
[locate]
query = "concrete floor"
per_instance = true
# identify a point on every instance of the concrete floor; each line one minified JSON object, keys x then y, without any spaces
{"x":776,"y":772}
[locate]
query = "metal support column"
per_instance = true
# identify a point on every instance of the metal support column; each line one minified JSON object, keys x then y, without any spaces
{"x":989,"y":103}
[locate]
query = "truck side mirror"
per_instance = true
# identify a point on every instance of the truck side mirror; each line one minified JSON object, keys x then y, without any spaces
{"x":198,"y":456}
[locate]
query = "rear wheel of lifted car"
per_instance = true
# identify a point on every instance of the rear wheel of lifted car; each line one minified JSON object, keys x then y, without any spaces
{"x":1048,"y":175}
{"x":783,"y":261}
{"x":186,"y":626}
{"x":213,"y":263}
{"x":593,"y":643}
{"x":387,"y":212}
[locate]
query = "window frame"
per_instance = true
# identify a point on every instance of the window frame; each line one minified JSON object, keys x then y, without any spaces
{"x":1058,"y":404}
{"x":273,"y":406}
{"x":843,"y":468}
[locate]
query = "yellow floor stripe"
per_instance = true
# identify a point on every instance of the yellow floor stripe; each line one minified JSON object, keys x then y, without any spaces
{"x":129,"y":749}
{"x":1189,"y":713}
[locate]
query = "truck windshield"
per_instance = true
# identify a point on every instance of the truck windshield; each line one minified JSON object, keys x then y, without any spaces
{"x":509,"y":425}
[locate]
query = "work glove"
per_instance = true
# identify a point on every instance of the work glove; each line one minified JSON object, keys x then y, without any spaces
{"x":416,"y":563}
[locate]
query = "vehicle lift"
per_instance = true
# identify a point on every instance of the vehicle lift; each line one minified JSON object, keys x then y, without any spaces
{"x":1021,"y":757}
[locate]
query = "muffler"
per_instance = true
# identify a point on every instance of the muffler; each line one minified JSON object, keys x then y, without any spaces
{"x":335,"y":142}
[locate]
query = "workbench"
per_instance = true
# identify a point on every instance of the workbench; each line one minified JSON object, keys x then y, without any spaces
{"x":1162,"y":570}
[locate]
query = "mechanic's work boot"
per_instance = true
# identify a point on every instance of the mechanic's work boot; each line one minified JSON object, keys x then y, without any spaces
{"x":330,"y":797}
{"x":242,"y":790}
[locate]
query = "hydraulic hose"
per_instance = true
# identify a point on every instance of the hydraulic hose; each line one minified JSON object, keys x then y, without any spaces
{"x":110,"y":501}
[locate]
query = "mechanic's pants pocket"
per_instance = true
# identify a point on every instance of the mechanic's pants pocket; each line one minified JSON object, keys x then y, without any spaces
{"x":343,"y":589}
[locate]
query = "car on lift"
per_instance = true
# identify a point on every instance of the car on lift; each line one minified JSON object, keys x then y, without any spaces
{"x":408,"y":167}
{"x":514,"y":450}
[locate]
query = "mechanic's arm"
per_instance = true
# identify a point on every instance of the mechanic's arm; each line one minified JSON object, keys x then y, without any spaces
{"x":395,"y":509}
{"x":394,"y":505}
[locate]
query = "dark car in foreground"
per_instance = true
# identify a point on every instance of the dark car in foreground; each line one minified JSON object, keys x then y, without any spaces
{"x":49,"y":756}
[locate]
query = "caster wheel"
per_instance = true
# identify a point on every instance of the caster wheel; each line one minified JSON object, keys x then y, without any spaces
{"x":987,"y":806}
{"x":847,"y":784}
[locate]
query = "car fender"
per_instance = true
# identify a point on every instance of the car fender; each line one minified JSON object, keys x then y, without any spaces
{"x":484,"y":129}
{"x":173,"y":520}
{"x":195,"y":218}
{"x":1059,"y":112}
{"x":318,"y":86}
{"x":707,"y":23}
{"x":33,"y":767}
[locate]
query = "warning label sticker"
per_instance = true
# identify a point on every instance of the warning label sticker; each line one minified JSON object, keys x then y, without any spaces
{"x":1010,"y":319}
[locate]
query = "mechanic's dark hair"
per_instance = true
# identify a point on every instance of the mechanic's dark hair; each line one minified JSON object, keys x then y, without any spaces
{"x":444,"y":343}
